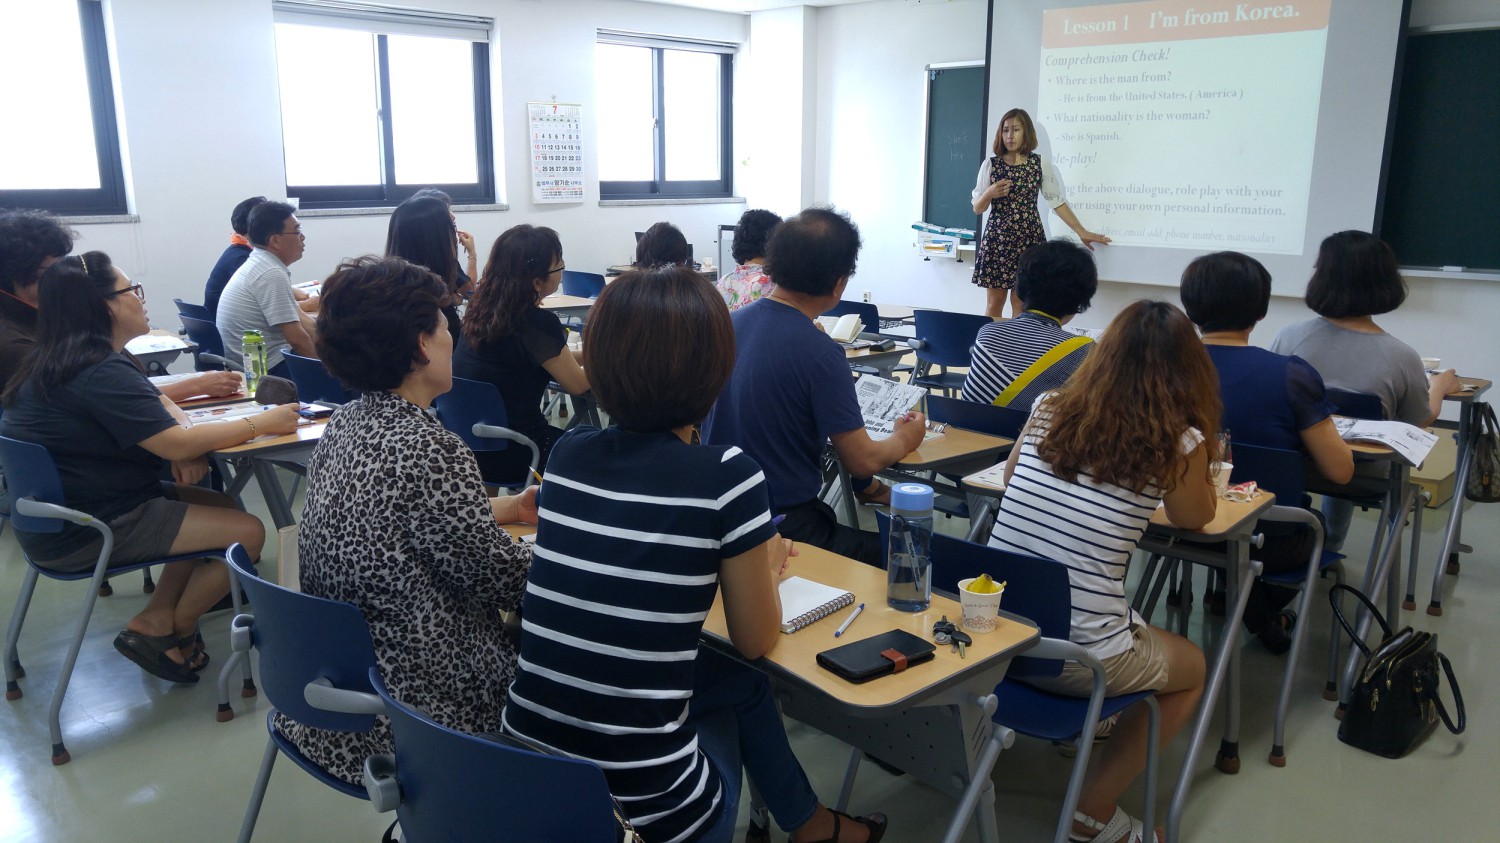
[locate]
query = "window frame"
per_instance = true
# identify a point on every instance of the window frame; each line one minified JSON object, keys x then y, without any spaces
{"x":660,"y":187}
{"x":109,"y":198}
{"x":388,"y":193}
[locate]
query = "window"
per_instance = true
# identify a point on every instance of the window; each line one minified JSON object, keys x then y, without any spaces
{"x":664,"y":117}
{"x":61,"y":148}
{"x":378,"y":102}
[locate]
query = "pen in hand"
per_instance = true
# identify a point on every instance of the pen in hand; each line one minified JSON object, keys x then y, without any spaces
{"x":849,"y":620}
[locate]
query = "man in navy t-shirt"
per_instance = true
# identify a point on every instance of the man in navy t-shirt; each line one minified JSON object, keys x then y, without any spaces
{"x":792,"y":391}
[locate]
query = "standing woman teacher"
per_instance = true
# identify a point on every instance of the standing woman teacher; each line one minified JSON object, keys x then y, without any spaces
{"x":1007,"y":186}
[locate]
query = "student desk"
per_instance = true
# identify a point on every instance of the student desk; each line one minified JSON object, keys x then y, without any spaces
{"x":257,"y":458}
{"x":567,"y":307}
{"x":1468,"y":426}
{"x":884,"y":362}
{"x":158,"y":349}
{"x":932,"y":720}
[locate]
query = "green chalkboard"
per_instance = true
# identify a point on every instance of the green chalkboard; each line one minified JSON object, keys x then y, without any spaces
{"x":955,"y":145}
{"x":1444,"y":170}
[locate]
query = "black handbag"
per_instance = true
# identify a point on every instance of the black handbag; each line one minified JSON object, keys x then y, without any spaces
{"x":1484,"y":467}
{"x":1394,"y":703}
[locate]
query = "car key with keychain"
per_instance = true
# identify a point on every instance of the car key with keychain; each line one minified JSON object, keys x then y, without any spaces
{"x":946,"y":632}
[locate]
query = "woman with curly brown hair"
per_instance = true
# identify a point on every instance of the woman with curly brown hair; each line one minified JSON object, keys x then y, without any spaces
{"x":510,"y":341}
{"x":1135,"y":426}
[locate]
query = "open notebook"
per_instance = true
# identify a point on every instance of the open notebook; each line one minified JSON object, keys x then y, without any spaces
{"x":804,"y":601}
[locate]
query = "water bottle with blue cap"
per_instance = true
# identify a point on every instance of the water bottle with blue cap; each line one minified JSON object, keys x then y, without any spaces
{"x":908,"y":556}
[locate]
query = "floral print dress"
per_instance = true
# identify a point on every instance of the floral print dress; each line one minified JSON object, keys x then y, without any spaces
{"x":1013,"y":225}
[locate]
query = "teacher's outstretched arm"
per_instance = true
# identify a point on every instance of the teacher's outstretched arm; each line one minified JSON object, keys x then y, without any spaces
{"x":1088,"y":238}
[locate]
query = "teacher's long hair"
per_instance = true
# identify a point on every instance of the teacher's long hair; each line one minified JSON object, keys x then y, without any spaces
{"x":1121,"y":417}
{"x":74,"y":328}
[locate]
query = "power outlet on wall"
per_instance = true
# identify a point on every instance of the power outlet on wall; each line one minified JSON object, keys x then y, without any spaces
{"x":866,"y":296}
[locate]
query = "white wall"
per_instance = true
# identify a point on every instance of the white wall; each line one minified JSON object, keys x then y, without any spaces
{"x":869,"y":161}
{"x":201,"y":122}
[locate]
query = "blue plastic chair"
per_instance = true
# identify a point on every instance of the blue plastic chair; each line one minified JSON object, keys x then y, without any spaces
{"x":475,"y":412}
{"x":944,"y":339}
{"x":205,"y":334}
{"x":316,"y":658}
{"x":868,"y":313}
{"x":584,"y":285}
{"x":447,"y":785}
{"x":314,"y":383}
{"x":1279,"y":472}
{"x":981,"y":418}
{"x":196,"y":311}
{"x":1038,"y":590}
{"x":37,"y":507}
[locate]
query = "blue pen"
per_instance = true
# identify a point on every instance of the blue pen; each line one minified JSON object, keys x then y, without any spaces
{"x":857,"y":610}
{"x":776,"y":522}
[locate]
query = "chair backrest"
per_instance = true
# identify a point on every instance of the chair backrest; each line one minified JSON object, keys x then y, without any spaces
{"x":945,"y":338}
{"x":868,"y":313}
{"x":204,"y":333}
{"x":197,"y":311}
{"x":1276,"y":470}
{"x":585,"y":285}
{"x":1355,"y":405}
{"x":469,"y":403}
{"x":448,"y":790}
{"x":30,"y":473}
{"x":314,"y":383}
{"x":303,"y":639}
{"x":1036,"y":589}
{"x":981,"y":418}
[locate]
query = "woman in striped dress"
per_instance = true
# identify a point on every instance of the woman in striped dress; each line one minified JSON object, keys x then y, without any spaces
{"x":1135,"y":427}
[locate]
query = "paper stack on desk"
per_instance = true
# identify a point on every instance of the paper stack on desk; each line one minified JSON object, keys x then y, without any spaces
{"x":1411,"y":443}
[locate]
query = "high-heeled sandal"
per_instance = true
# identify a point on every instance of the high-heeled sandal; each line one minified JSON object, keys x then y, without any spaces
{"x":1121,"y":828}
{"x":876,"y":823}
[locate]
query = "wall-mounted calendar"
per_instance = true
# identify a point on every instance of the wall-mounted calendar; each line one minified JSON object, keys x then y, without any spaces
{"x":556,"y":151}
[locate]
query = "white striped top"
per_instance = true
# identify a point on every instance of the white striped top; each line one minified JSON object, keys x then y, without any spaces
{"x":1088,"y":526}
{"x":633,"y":528}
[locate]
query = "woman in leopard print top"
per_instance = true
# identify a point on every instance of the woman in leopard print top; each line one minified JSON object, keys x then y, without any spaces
{"x":398,"y":522}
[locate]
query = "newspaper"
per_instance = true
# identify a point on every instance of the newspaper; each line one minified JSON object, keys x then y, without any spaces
{"x":1412,"y":444}
{"x":882,"y":401}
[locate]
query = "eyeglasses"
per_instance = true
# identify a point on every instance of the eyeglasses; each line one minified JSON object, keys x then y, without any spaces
{"x":296,"y":232}
{"x":557,"y":270}
{"x":134,"y":289}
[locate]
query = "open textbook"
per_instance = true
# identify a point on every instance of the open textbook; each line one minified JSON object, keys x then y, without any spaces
{"x":1410,"y":442}
{"x":882,"y":401}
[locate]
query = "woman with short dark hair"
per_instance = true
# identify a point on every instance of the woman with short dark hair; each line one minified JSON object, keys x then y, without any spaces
{"x":1356,"y":278}
{"x":748,"y":281}
{"x":511,"y":341}
{"x":663,"y":244}
{"x":640,"y":527}
{"x":109,"y":430}
{"x":397,"y":519}
{"x":1270,"y":400}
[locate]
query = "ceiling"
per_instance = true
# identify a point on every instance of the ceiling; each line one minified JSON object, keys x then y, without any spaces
{"x":754,"y":5}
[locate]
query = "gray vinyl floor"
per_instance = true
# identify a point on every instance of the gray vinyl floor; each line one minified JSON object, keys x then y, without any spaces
{"x":151,"y":764}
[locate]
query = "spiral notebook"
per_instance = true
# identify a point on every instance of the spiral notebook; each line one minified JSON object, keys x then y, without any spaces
{"x":804,"y":602}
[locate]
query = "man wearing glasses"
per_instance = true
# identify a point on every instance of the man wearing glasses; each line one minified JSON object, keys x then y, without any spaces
{"x":259,"y":295}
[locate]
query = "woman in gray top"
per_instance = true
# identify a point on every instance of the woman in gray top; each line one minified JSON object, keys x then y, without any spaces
{"x":1355,"y":279}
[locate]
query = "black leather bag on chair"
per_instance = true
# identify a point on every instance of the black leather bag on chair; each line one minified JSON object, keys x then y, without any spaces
{"x":1483,"y":485}
{"x":1394,"y":703}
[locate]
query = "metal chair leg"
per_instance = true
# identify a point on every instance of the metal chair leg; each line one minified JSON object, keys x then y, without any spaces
{"x":258,"y":794}
{"x":13,"y":670}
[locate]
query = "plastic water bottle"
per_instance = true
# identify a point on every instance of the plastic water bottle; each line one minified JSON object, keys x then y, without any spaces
{"x":908,"y":556}
{"x":253,"y":351}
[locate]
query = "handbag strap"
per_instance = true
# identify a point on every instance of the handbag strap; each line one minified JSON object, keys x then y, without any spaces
{"x":1338,"y":612}
{"x":1458,"y":699}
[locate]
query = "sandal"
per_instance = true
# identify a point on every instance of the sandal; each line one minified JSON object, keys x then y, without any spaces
{"x":876,"y":823}
{"x":1276,"y":636}
{"x":149,"y":652}
{"x":192,"y":650}
{"x":876,"y":493}
{"x":1121,"y":828}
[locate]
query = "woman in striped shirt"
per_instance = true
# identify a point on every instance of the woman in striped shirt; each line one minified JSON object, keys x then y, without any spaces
{"x":1136,"y":426}
{"x":639,"y":527}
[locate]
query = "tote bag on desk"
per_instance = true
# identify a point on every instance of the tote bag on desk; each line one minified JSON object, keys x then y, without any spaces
{"x":1394,"y":704}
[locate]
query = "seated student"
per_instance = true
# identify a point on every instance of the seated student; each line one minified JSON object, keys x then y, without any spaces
{"x":1355,"y":278}
{"x":792,"y":392}
{"x":1078,"y":498}
{"x":1269,"y":400}
{"x":662,"y":245}
{"x":108,"y":431}
{"x":234,"y":254}
{"x":748,"y":281}
{"x":30,"y":241}
{"x":469,"y":271}
{"x":398,"y":522}
{"x":611,"y":668}
{"x":259,"y":295}
{"x":421,"y":230}
{"x":512,"y":342}
{"x":1018,"y":359}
